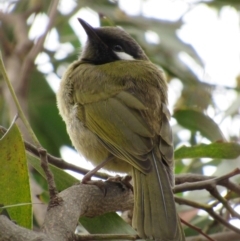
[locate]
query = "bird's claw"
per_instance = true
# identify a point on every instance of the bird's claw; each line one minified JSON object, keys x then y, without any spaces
{"x":122,"y":180}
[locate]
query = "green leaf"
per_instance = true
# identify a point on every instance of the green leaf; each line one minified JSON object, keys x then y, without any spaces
{"x":214,"y":150}
{"x":15,"y":188}
{"x":109,"y":223}
{"x":197,"y":121}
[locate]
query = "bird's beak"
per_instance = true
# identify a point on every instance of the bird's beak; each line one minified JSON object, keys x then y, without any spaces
{"x":90,"y":31}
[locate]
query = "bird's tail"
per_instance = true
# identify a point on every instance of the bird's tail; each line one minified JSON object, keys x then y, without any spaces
{"x":155,"y":215}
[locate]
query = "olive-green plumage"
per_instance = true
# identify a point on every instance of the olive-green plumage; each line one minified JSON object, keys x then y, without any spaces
{"x":118,"y":107}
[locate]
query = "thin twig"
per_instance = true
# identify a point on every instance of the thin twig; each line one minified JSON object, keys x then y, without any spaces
{"x":197,"y":229}
{"x":209,"y":210}
{"x":230,"y":185}
{"x":189,"y":186}
{"x":214,"y":192}
{"x":221,"y":236}
{"x":53,"y":193}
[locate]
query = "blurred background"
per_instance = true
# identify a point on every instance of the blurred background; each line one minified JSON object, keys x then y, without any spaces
{"x":196,"y":43}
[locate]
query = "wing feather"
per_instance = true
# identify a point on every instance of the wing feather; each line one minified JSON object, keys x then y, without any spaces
{"x":121,"y":129}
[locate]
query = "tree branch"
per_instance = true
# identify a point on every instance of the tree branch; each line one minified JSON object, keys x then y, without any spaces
{"x":54,"y":199}
{"x":12,"y":232}
{"x":105,"y":237}
{"x":209,"y":210}
{"x":223,"y":236}
{"x":189,"y":182}
{"x":78,"y":200}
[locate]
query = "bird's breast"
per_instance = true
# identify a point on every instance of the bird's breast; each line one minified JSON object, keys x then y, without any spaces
{"x":85,"y":141}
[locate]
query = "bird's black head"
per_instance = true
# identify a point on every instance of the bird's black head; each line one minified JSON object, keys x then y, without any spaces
{"x":109,"y":44}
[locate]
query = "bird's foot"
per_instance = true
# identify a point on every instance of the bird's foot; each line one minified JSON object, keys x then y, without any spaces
{"x":99,"y":183}
{"x":87,"y":177}
{"x":122,"y":180}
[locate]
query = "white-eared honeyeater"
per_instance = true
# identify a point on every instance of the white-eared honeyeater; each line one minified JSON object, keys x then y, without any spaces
{"x":114,"y":102}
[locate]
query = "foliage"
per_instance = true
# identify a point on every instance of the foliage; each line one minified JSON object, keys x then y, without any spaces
{"x":38,"y":99}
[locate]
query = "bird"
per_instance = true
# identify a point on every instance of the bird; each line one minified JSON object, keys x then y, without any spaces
{"x":114,"y":102}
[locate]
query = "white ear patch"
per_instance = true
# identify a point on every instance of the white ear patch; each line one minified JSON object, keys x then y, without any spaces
{"x":124,"y":56}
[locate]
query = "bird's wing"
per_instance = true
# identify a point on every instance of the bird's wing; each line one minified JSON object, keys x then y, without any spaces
{"x":121,"y":129}
{"x":118,"y":115}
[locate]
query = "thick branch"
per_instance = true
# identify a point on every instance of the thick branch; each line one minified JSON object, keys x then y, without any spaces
{"x":12,"y":232}
{"x":78,"y":200}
